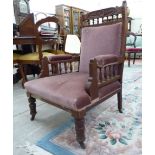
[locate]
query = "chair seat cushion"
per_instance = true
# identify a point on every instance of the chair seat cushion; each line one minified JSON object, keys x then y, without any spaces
{"x":67,"y":90}
{"x":16,"y":56}
{"x":106,"y":59}
{"x":134,"y":49}
{"x":33,"y":56}
{"x":54,"y":51}
{"x":60,"y":52}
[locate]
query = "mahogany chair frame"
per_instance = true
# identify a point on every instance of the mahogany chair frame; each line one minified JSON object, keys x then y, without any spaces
{"x":109,"y":16}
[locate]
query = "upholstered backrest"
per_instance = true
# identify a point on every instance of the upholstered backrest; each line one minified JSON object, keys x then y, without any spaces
{"x":99,"y":40}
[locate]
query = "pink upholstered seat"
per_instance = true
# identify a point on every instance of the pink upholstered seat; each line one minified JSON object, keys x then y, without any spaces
{"x":67,"y":90}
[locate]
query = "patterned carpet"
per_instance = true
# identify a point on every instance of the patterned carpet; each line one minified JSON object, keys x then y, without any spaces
{"x":107,"y":131}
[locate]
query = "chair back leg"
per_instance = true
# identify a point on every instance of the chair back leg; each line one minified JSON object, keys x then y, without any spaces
{"x":119,"y":97}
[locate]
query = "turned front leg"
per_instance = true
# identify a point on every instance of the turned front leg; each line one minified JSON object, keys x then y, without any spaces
{"x":32,"y":106}
{"x":80,"y":131}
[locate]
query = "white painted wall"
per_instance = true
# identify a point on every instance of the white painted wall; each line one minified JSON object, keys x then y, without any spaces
{"x":136,"y":25}
{"x":13,"y":16}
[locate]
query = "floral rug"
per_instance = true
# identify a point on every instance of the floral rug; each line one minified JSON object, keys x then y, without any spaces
{"x":108,"y":132}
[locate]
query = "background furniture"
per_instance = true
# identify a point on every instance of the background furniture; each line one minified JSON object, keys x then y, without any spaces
{"x":100,"y":72}
{"x":69,"y":18}
{"x":133,"y":46}
{"x":25,"y":28}
{"x":69,"y":57}
{"x":30,"y":34}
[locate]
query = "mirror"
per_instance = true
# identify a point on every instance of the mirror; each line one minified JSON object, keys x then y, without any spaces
{"x":49,"y":28}
{"x":23,"y":6}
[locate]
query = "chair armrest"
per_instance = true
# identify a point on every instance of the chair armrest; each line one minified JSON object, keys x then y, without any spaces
{"x":103,"y":70}
{"x":103,"y":60}
{"x":108,"y":68}
{"x":60,"y":64}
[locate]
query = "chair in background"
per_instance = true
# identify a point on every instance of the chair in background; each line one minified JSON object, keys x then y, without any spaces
{"x":30,"y":69}
{"x":72,"y":51}
{"x":42,"y":39}
{"x":133,"y":46}
{"x":103,"y":41}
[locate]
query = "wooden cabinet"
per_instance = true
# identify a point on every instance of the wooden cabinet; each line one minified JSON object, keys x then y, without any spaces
{"x":69,"y":18}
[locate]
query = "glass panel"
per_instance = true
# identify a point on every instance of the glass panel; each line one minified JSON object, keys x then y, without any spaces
{"x":49,"y":28}
{"x":75,"y":22}
{"x":23,"y":6}
{"x":67,"y":20}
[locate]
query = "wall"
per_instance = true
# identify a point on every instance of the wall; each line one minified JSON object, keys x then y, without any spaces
{"x":136,"y":25}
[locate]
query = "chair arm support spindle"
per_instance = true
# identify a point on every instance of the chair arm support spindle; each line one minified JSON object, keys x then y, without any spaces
{"x":44,"y":68}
